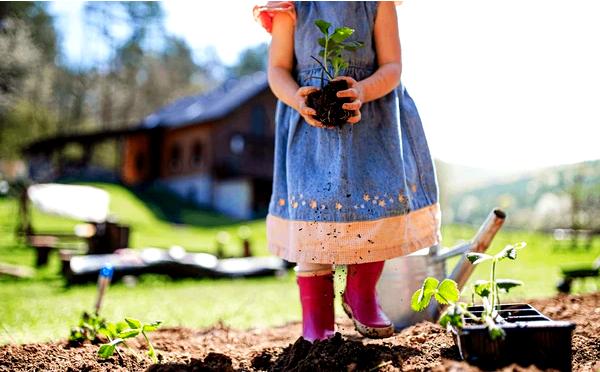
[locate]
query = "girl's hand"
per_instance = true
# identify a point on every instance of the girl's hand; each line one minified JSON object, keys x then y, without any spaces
{"x":354,"y":92}
{"x":305,"y":111}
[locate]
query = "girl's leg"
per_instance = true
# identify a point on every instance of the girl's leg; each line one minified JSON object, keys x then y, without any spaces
{"x":360,"y":300}
{"x":315,"y":282}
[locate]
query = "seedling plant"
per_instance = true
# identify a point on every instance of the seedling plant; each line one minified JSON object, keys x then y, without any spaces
{"x":332,"y":62}
{"x":118,"y":332}
{"x":333,"y":45}
{"x":88,"y":329}
{"x":447,"y":293}
{"x":91,"y":326}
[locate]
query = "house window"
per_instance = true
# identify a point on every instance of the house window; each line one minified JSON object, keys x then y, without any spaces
{"x":258,"y":121}
{"x":196,"y":159}
{"x":237,"y":144}
{"x":175,"y":159}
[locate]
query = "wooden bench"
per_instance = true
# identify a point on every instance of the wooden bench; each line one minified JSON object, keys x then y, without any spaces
{"x":44,"y":244}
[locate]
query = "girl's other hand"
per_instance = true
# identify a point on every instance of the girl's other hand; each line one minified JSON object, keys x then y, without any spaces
{"x":355,"y":93}
{"x":306,"y":112}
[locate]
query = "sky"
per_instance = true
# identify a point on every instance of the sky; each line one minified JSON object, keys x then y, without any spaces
{"x":506,"y":85}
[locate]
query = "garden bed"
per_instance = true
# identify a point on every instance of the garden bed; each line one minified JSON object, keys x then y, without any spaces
{"x":425,"y":346}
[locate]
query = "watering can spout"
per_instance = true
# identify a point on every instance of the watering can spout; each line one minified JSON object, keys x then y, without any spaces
{"x":480,"y":243}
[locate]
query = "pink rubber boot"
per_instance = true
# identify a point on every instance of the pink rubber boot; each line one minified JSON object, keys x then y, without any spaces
{"x":316,"y":297}
{"x":360,"y":300}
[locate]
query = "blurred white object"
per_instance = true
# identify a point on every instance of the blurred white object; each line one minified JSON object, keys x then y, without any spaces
{"x":4,"y":187}
{"x":84,"y":203}
{"x":177,"y":252}
{"x":84,"y":230}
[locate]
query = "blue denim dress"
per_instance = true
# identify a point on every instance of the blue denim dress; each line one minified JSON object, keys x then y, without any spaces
{"x":361,"y":193}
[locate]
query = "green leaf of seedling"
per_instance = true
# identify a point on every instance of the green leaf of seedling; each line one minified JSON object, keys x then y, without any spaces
{"x":76,"y":335}
{"x":496,"y":332}
{"x":133,"y":323}
{"x":482,"y":288}
{"x":341,"y":34}
{"x":430,"y":284}
{"x":121,"y":325}
{"x":107,"y":350}
{"x":510,"y":251}
{"x":322,"y":42}
{"x":152,"y":326}
{"x":476,"y":258}
{"x":421,"y":298}
{"x":447,"y":292}
{"x":445,"y":319}
{"x":323,"y":26}
{"x":129,"y":333}
{"x":109,"y":330}
{"x":505,"y":285}
{"x":418,"y":302}
{"x":352,"y":46}
{"x":452,"y":317}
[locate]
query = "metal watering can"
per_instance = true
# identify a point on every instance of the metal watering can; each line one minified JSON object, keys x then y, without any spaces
{"x":402,"y":276}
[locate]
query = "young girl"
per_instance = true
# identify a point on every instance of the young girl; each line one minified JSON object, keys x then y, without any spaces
{"x":355,"y":195}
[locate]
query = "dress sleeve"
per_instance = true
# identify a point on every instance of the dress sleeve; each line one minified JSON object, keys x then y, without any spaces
{"x":264,"y":13}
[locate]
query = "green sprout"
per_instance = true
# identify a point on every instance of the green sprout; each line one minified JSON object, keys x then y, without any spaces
{"x":88,"y":328}
{"x":491,"y":289}
{"x":446,"y":293}
{"x":333,"y":45}
{"x":118,"y":332}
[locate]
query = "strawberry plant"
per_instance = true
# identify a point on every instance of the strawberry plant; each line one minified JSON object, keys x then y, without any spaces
{"x":118,"y":332}
{"x":447,"y":293}
{"x":325,"y":101}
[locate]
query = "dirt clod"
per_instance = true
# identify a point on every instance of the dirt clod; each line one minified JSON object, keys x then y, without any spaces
{"x":328,"y":105}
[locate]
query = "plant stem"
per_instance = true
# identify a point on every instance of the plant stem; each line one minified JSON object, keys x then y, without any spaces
{"x":150,"y":349}
{"x":137,"y":357}
{"x":467,"y":312}
{"x":323,"y":67}
{"x":325,"y":55}
{"x":493,"y":286}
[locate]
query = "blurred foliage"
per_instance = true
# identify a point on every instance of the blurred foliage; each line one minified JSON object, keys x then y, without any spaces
{"x":24,"y":121}
{"x":567,"y":196}
{"x":251,"y":60}
{"x":42,"y":94}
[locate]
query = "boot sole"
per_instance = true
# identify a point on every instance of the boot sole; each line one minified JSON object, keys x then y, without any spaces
{"x":370,"y":332}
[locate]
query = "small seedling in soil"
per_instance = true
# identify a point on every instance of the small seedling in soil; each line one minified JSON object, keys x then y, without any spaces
{"x":118,"y":332}
{"x":446,"y":293}
{"x":88,"y":329}
{"x":325,"y":101}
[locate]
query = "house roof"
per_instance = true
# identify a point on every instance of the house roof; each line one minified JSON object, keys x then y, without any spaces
{"x":210,"y":106}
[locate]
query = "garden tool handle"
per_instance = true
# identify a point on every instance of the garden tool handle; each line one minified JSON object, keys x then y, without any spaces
{"x":104,"y":278}
{"x":480,"y":243}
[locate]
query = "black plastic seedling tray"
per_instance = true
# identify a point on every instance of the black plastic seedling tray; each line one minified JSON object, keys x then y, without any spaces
{"x":531,"y":338}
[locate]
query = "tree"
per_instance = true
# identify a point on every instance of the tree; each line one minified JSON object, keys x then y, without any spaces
{"x":251,"y":60}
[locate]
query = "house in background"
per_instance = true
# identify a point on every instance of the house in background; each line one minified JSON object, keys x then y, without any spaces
{"x":215,"y":149}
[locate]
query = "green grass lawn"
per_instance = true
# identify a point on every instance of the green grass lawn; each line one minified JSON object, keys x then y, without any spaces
{"x":41,"y":308}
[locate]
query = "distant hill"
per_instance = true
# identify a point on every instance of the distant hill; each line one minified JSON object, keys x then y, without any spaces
{"x":461,"y":177}
{"x":539,"y":199}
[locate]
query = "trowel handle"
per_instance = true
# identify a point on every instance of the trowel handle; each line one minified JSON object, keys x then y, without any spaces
{"x":104,"y":278}
{"x":487,"y":231}
{"x":480,"y":243}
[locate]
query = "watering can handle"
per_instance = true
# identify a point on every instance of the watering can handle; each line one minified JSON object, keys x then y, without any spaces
{"x":480,"y":243}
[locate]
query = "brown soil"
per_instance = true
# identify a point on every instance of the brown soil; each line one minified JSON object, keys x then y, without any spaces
{"x":328,"y":105}
{"x":423,"y":347}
